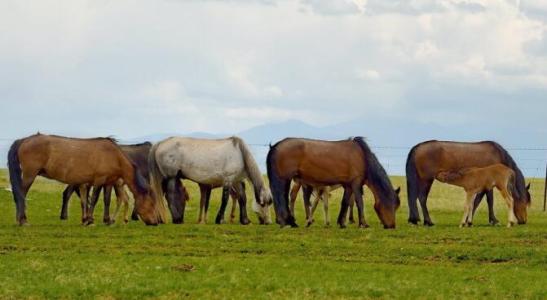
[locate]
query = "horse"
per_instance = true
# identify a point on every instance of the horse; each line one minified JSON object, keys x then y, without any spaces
{"x":321,"y":193}
{"x":476,"y":180}
{"x":138,"y":154}
{"x":427,"y":159}
{"x":210,"y":163}
{"x":84,"y":162}
{"x":349,"y":163}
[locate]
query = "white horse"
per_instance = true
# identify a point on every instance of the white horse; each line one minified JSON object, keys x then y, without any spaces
{"x":211,"y":163}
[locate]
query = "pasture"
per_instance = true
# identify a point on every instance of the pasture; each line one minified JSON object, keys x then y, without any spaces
{"x":62,"y":259}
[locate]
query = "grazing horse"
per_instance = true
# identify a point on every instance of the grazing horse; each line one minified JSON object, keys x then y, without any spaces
{"x":138,"y":155}
{"x":427,"y":159}
{"x":210,"y":163}
{"x":349,"y":163}
{"x":476,"y":180}
{"x":321,"y":193}
{"x":83,"y":162}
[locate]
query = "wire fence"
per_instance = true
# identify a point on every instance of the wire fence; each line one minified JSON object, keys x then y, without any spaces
{"x":531,"y":160}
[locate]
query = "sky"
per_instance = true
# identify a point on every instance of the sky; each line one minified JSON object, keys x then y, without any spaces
{"x":134,"y":68}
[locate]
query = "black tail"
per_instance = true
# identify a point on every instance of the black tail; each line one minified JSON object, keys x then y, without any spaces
{"x":412,"y":182}
{"x":278,"y":188}
{"x":16,"y":180}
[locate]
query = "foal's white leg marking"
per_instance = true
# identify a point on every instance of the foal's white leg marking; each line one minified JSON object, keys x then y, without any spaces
{"x":511,"y":218}
{"x":470,"y":209}
{"x":466,"y":209}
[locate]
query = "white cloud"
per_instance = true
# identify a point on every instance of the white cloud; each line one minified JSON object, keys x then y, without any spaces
{"x":226,"y":65}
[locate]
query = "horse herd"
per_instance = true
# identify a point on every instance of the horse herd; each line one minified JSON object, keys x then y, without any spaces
{"x":154,"y":173}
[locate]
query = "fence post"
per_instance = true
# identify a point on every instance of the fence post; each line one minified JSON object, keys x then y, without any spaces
{"x":545,"y":191}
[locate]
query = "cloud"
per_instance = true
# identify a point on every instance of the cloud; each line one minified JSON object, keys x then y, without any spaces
{"x":131,"y":69}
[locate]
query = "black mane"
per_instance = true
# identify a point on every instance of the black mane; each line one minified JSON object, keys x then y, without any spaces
{"x":375,"y":172}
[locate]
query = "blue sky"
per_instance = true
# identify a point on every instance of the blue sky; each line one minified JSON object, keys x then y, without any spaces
{"x":133,"y":68}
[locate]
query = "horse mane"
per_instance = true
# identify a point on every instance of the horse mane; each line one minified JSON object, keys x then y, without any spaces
{"x":107,"y":138}
{"x":375,"y":172}
{"x":139,"y":144}
{"x":506,"y":159}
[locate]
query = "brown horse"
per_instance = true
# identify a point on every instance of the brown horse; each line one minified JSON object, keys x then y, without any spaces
{"x":349,"y":163}
{"x":427,"y":159}
{"x":84,"y":162}
{"x":138,"y":155}
{"x":476,"y":180}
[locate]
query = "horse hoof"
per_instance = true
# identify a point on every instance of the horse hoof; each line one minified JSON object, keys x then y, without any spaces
{"x":244,"y":222}
{"x":342,"y":226}
{"x":462,"y":225}
{"x":352,"y":221}
{"x":494,"y":222}
{"x":365,"y":225}
{"x":428,"y":224}
{"x":413,"y":222}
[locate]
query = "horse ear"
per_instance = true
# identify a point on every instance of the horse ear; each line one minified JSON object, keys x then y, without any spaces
{"x":528,"y":186}
{"x":398,"y":190}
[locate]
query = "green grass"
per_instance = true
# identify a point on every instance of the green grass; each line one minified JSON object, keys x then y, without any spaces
{"x":62,"y":259}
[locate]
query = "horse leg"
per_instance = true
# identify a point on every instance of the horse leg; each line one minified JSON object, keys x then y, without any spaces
{"x":27,"y":181}
{"x":224,"y":202}
{"x":125,"y":204}
{"x":344,"y":208}
{"x":174,"y":195}
{"x":107,"y":197}
{"x":424,"y":189}
{"x":121,"y":198}
{"x":234,"y":195}
{"x":293,"y":195}
{"x":491,"y":215}
{"x":92,"y":203}
{"x":203,"y":194}
{"x":318,"y":197}
{"x":66,"y":197}
{"x":351,"y":205}
{"x":235,"y":201}
{"x":511,"y":218}
{"x":358,"y":198}
{"x":467,"y":209}
{"x":207,"y":201}
{"x":242,"y":199}
{"x":83,"y":202}
{"x":326,"y":208}
{"x":307,"y":191}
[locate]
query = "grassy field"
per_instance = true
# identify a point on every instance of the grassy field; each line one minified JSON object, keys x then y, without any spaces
{"x":62,"y":259}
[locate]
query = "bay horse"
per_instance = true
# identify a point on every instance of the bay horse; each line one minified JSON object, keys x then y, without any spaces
{"x":476,"y":180}
{"x":84,"y":162}
{"x":349,"y":163}
{"x":427,"y":159}
{"x":321,"y":193}
{"x":210,"y":163}
{"x":138,"y":155}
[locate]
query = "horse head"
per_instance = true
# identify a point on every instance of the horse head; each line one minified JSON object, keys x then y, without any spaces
{"x":261,"y":206}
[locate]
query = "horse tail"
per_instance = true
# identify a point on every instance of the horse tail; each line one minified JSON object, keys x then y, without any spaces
{"x":156,"y":179}
{"x":251,"y":167}
{"x":412,"y":182}
{"x":279,"y":188}
{"x":16,"y":178}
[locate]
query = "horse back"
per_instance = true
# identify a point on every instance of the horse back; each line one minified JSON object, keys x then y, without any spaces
{"x":72,"y":161}
{"x":431,"y":157}
{"x":319,"y":162}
